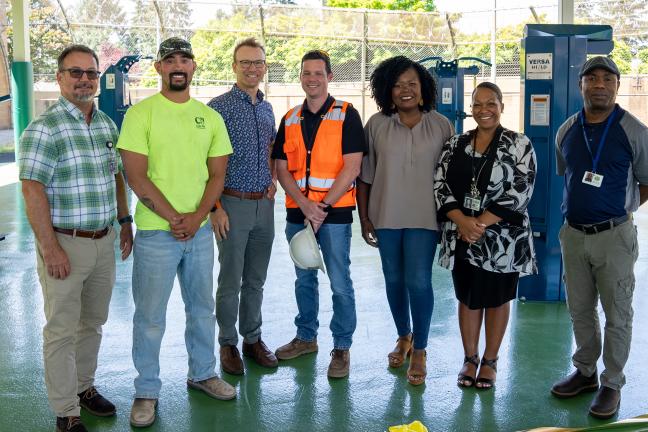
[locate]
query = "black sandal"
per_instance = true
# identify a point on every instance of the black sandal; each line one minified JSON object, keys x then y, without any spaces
{"x":462,"y":379}
{"x":487,"y":383}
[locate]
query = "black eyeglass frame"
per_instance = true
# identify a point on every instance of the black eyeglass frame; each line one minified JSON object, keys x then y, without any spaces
{"x":77,"y":73}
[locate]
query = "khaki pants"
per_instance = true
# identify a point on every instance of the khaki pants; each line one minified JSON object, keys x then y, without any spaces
{"x":601,"y":266}
{"x":75,"y":310}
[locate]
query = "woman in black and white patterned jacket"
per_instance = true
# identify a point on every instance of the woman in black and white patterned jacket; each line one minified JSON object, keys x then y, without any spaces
{"x":483,"y":184}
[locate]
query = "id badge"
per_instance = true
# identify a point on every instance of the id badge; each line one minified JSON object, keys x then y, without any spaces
{"x":112,"y":165}
{"x":592,"y":179}
{"x":472,"y":202}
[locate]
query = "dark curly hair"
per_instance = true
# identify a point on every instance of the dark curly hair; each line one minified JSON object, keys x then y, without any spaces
{"x":384,"y":78}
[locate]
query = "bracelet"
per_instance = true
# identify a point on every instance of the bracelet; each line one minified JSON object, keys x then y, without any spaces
{"x":217,"y":206}
{"x":125,"y":219}
{"x":328,"y":206}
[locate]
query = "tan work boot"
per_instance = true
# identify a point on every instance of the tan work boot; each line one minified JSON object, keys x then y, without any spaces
{"x":296,"y":348}
{"x":214,"y":387}
{"x":339,"y":366}
{"x":143,"y":412}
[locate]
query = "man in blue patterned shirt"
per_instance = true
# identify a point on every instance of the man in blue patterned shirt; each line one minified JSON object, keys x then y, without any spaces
{"x":243,"y":219}
{"x":74,"y":191}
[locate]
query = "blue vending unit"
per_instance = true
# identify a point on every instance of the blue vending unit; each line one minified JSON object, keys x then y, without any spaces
{"x":114,"y":98}
{"x":449,"y":77}
{"x":551,"y":58}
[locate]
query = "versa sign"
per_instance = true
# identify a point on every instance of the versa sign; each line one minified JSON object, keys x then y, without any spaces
{"x":539,"y":66}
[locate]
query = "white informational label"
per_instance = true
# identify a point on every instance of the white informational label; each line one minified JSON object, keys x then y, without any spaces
{"x":539,"y":110}
{"x":539,"y":66}
{"x":446,"y":95}
{"x":110,"y":81}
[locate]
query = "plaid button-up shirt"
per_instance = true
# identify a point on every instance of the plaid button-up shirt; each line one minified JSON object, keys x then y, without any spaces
{"x":76,"y":162}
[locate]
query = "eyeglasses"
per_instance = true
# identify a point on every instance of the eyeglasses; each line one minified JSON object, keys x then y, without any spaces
{"x":246,"y":64}
{"x":78,"y":73}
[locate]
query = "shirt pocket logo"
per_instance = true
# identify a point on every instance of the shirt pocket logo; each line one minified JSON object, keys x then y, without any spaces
{"x":200,"y":122}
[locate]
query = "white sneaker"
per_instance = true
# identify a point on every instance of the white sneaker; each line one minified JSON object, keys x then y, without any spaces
{"x":143,"y":412}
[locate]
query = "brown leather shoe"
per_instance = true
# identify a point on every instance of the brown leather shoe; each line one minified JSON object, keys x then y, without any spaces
{"x":260,"y":353}
{"x":574,"y":384}
{"x":339,"y":366}
{"x":296,"y":348}
{"x":606,"y":403}
{"x":230,"y":359}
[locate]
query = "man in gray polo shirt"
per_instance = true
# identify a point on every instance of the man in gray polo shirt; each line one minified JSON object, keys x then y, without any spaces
{"x":603,"y":153}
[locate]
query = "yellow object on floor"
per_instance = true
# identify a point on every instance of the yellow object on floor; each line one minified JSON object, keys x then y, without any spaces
{"x":415,"y":426}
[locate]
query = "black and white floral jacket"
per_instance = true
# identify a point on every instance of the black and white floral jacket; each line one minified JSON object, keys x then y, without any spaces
{"x":508,"y":245}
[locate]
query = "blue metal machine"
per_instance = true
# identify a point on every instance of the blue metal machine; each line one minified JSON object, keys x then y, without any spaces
{"x":114,"y":98}
{"x":450,"y":87}
{"x":551,"y":58}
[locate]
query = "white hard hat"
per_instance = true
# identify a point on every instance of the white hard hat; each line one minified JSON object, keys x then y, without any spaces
{"x":305,"y":251}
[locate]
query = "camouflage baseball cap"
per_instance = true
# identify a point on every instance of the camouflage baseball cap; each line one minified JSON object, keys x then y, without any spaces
{"x":174,"y":45}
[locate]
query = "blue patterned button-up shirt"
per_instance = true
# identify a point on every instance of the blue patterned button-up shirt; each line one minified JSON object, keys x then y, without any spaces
{"x":251,"y":130}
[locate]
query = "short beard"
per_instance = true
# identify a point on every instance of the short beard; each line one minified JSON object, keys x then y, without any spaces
{"x":84,"y":98}
{"x":178,"y":87}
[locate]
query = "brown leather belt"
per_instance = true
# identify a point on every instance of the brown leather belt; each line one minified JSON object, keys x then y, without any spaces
{"x":244,"y":195}
{"x":95,"y":235}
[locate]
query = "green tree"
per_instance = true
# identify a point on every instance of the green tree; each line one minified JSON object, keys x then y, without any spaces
{"x":403,"y":5}
{"x":47,"y":37}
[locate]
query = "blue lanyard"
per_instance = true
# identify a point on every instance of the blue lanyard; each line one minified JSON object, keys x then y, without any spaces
{"x":595,"y":159}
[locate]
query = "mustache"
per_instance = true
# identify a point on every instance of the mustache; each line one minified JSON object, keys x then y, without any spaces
{"x":83,"y":85}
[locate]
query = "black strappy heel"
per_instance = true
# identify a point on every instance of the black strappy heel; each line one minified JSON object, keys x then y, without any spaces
{"x":487,"y":383}
{"x":462,"y":378}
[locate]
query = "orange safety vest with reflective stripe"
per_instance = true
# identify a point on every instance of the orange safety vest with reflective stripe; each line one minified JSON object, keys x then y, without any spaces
{"x":315,"y":174}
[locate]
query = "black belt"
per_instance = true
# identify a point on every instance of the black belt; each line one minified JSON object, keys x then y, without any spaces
{"x":600,"y":227}
{"x":95,"y":235}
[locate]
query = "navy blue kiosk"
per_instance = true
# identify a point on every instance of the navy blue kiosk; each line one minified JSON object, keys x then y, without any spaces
{"x":551,"y":58}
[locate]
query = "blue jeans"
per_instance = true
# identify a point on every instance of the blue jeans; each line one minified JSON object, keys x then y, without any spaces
{"x":335,"y":243}
{"x":158,"y":256}
{"x":407,"y":256}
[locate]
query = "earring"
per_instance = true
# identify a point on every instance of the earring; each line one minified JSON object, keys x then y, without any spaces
{"x":393,"y":105}
{"x":421,"y":102}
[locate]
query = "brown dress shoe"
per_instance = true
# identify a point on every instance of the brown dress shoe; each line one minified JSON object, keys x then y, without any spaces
{"x":340,"y":361}
{"x":574,"y":384}
{"x":231,"y":360}
{"x":260,"y":353}
{"x":606,"y":403}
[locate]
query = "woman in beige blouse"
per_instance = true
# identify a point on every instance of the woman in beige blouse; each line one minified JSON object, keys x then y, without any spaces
{"x":396,"y":199}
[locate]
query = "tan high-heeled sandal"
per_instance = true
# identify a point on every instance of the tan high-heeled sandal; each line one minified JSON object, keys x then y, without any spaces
{"x":402,"y":350}
{"x":417,"y":370}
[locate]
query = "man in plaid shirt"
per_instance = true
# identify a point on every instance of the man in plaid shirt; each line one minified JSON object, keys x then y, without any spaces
{"x":74,"y":191}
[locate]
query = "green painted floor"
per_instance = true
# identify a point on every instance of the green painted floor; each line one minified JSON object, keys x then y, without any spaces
{"x":298,"y":396}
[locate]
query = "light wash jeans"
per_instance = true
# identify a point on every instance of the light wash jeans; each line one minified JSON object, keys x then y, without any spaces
{"x":158,"y":256}
{"x":335,"y":243}
{"x":407,"y":256}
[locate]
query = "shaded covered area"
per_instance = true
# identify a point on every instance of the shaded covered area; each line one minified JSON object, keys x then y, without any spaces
{"x":298,"y":396}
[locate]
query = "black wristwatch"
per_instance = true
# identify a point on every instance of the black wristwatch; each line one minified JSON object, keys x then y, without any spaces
{"x":125,"y":219}
{"x":328,"y":207}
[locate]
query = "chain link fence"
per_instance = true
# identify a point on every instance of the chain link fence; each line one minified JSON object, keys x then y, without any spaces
{"x":357,"y":40}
